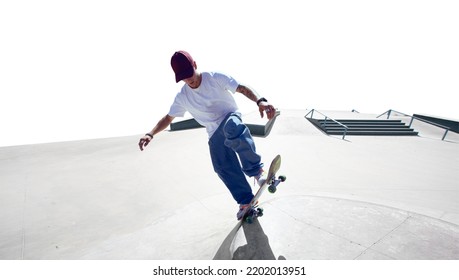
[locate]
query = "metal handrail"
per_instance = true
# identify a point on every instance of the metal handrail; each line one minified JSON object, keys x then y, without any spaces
{"x":419,"y":119}
{"x":432,"y":123}
{"x":326,"y":117}
{"x":390,"y":111}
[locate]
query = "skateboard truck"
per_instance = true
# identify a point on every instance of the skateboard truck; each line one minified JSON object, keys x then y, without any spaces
{"x":253,"y":213}
{"x":275,"y":182}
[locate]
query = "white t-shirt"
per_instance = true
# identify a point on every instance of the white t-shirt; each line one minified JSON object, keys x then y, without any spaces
{"x":209,"y":103}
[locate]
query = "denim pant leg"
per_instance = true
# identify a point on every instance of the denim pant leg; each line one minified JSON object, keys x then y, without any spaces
{"x":239,"y":139}
{"x":226,"y":165}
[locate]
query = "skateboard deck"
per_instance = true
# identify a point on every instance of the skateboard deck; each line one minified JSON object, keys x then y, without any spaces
{"x":271,"y":184}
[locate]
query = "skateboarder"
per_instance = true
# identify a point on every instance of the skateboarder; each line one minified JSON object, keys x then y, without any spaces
{"x":207,"y":96}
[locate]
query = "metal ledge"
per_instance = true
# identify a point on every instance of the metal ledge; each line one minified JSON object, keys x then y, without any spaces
{"x":255,"y":129}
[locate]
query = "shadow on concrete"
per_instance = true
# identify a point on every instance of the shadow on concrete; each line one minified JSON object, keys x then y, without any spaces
{"x":257,"y":247}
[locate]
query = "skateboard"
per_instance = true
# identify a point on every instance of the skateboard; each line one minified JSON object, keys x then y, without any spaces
{"x":271,"y":184}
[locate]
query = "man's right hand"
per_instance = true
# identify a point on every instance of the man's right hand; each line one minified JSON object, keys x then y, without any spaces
{"x":160,"y":126}
{"x":143,"y":142}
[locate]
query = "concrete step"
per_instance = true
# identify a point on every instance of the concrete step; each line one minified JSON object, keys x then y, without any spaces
{"x":375,"y":132}
{"x":364,"y":121}
{"x":369,"y":129}
{"x":365,"y":127}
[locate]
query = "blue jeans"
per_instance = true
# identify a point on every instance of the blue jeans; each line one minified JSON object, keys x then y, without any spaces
{"x":230,"y":140}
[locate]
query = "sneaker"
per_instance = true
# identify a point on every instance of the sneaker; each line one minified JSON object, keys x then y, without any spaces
{"x":242,"y":210}
{"x":261,"y":178}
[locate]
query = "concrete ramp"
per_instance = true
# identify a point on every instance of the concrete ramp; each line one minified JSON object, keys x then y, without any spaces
{"x":361,"y":198}
{"x":318,"y":228}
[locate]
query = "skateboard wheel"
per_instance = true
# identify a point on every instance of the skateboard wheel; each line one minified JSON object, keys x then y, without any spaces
{"x":282,"y":178}
{"x":260,"y":212}
{"x":272,"y":189}
{"x":249,"y":219}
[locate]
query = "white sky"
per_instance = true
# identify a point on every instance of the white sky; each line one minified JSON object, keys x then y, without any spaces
{"x":89,"y":69}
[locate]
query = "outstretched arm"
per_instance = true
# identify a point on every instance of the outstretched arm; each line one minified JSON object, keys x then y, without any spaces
{"x":160,"y":126}
{"x":263,"y":105}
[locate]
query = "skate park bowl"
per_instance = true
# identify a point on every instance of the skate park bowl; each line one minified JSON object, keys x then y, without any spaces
{"x":364,"y":197}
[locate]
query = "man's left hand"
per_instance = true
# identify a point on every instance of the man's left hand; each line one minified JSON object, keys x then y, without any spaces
{"x":268,"y":108}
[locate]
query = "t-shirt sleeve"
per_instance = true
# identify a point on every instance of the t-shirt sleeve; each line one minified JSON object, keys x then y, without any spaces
{"x":177,"y":109}
{"x":227,"y":82}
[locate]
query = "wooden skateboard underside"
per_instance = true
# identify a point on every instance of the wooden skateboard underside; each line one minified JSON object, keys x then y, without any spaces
{"x":271,"y":183}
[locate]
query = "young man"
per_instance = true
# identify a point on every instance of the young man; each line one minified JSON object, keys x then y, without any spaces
{"x":207,"y":96}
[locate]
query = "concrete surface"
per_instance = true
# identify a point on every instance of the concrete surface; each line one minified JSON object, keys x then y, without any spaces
{"x":360,"y":198}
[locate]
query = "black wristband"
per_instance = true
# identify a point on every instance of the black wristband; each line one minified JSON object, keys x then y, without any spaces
{"x":261,"y":100}
{"x":148,"y":134}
